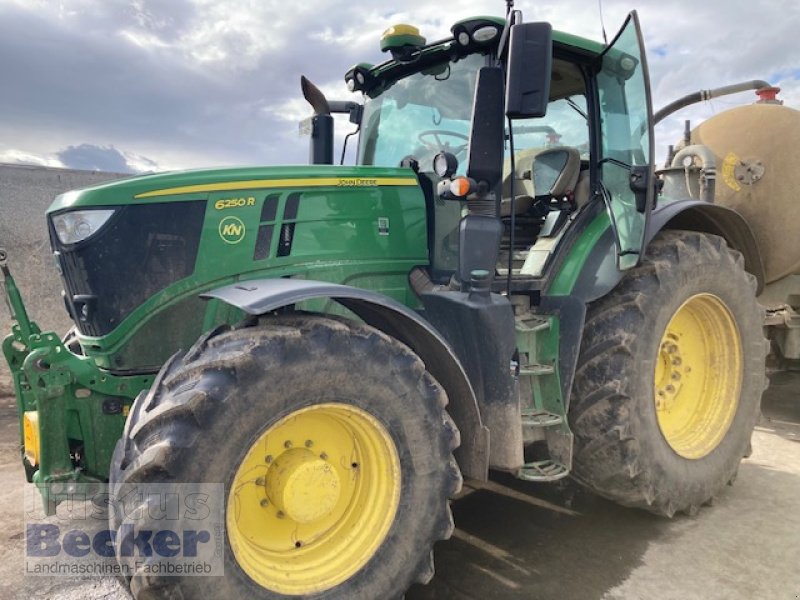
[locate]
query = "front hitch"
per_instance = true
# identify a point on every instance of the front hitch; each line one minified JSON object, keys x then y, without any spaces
{"x":41,"y":391}
{"x":71,"y":413}
{"x":26,"y":328}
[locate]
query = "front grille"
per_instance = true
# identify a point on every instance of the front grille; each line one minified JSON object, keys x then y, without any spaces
{"x":141,"y":250}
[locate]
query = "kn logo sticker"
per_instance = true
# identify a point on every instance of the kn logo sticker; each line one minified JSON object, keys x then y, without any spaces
{"x":231,"y":230}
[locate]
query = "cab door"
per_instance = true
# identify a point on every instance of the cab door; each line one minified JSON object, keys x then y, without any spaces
{"x":626,"y":140}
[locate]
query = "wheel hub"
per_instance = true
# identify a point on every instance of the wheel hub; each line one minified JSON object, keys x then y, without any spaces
{"x":313,"y":499}
{"x":302,"y":485}
{"x":698,"y":376}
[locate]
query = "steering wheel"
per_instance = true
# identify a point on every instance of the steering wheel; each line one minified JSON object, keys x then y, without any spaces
{"x":433,"y":140}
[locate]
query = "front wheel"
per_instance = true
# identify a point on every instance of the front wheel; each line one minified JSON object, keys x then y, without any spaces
{"x":335,"y":451}
{"x":670,"y":376}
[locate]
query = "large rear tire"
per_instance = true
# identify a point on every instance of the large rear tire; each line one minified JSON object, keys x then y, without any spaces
{"x":670,"y":376}
{"x":334,"y":447}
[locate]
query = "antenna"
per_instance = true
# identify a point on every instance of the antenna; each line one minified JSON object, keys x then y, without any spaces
{"x":602,"y":24}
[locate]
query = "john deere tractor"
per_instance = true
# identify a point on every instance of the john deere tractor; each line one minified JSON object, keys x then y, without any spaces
{"x":498,"y":283}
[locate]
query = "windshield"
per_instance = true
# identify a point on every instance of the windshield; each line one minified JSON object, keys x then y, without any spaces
{"x":421,"y":115}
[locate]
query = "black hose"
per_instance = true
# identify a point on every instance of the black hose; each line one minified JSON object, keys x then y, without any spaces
{"x":695,"y":97}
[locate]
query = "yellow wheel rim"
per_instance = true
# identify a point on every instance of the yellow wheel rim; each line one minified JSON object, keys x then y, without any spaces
{"x":698,"y":376}
{"x":313,"y":499}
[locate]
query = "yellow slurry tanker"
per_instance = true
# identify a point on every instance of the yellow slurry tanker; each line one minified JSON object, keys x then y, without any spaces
{"x":743,"y":159}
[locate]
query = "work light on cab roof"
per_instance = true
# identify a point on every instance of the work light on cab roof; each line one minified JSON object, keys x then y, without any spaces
{"x":477,"y":31}
{"x":359,"y":77}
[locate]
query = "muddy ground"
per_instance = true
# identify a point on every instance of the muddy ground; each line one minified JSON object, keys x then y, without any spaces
{"x":745,"y":546}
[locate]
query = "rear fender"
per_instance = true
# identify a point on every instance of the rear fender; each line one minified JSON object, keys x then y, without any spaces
{"x":599,"y":274}
{"x":262,"y":296}
{"x":696,"y":215}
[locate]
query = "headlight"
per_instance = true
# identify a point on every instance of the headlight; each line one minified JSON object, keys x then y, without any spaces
{"x":78,"y":225}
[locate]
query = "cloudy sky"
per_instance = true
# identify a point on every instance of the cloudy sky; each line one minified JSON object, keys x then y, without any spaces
{"x":139,"y":85}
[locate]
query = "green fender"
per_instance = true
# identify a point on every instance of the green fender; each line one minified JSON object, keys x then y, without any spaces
{"x":261,"y":296}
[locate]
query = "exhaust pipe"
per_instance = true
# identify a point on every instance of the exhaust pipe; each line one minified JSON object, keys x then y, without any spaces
{"x":321,"y":150}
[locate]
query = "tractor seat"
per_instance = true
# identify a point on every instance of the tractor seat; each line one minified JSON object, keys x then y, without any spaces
{"x":540,"y":172}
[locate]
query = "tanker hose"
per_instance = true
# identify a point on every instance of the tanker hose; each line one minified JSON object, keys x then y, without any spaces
{"x":702,"y":95}
{"x":708,"y":168}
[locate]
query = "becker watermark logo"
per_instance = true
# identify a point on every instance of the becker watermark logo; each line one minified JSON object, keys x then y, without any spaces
{"x":154,"y":529}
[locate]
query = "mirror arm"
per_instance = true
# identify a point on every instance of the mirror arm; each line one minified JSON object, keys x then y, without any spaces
{"x":512,"y":17}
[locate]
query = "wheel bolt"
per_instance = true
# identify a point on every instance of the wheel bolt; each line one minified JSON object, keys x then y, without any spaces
{"x":280,"y":514}
{"x":260,"y":481}
{"x":264,"y":502}
{"x":287,"y":444}
{"x":309,"y":443}
{"x":268,"y":458}
{"x":323,"y":456}
{"x":676,"y":376}
{"x":670,"y":388}
{"x":676,"y":361}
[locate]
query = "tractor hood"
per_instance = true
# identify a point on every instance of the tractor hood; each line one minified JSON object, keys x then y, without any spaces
{"x":140,"y":250}
{"x":199,"y":183}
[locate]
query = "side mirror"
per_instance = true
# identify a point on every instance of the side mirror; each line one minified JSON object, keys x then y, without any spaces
{"x":530,"y":63}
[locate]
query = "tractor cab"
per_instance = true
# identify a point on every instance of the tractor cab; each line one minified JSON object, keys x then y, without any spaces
{"x":563,"y":130}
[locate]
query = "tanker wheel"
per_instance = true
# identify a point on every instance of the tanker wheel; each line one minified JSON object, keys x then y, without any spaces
{"x":335,"y":449}
{"x":670,"y":376}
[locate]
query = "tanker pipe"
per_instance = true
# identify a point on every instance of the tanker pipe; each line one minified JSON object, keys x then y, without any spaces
{"x":703,"y":95}
{"x":708,"y":168}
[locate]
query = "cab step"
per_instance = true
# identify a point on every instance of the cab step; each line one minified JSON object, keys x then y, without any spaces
{"x":542,"y":470}
{"x":531,"y":323}
{"x":540,"y":418}
{"x":536,"y":370}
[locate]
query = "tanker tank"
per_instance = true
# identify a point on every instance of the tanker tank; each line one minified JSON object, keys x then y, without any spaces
{"x":757,"y":174}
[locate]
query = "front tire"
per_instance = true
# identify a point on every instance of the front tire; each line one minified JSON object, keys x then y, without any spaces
{"x":670,"y":376}
{"x":335,"y":451}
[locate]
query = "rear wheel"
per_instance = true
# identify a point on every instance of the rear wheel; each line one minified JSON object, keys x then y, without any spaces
{"x":670,"y":376}
{"x":333,"y":445}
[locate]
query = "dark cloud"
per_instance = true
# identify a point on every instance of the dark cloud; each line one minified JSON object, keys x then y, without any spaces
{"x":87,"y":77}
{"x":88,"y":157}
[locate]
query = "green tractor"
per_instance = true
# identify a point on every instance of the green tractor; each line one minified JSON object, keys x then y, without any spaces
{"x":498,"y":283}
